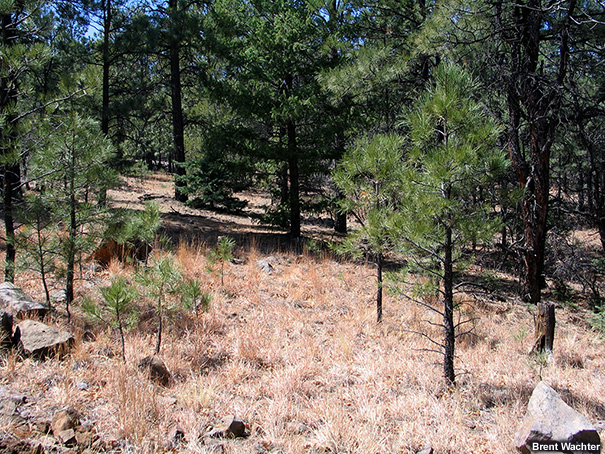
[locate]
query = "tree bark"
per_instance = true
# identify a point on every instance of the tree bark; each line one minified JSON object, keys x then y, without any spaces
{"x":448,"y":310}
{"x":293,"y":169}
{"x":545,"y":328}
{"x":106,"y":66}
{"x":178,"y":123}
{"x":379,"y":265}
{"x":11,"y":168}
{"x":528,"y":95}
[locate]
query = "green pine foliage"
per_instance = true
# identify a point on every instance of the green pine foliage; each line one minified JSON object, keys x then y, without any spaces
{"x":222,"y":253}
{"x":117,"y":308}
{"x":370,"y":179}
{"x":453,"y":153}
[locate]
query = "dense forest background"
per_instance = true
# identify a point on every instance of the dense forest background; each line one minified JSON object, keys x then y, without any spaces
{"x":307,"y":100}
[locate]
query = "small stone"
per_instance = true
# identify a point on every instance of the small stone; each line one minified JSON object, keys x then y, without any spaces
{"x":169,"y":401}
{"x":156,"y":370}
{"x":65,"y":420}
{"x":58,"y":296}
{"x":67,"y":437}
{"x":85,"y":438}
{"x":236,"y":429}
{"x":427,"y":450}
{"x":10,"y":402}
{"x":83,"y":386}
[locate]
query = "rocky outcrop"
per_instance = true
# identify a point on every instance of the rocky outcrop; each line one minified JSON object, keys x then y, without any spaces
{"x":37,"y":339}
{"x":550,"y":422}
{"x":14,"y":301}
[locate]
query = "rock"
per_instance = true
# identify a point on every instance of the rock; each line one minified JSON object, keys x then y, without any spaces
{"x":67,"y":437}
{"x":550,"y":420}
{"x":236,"y":429}
{"x":64,"y":420}
{"x":156,"y":370}
{"x":10,"y":402}
{"x":58,"y":296}
{"x":83,"y":386}
{"x":85,"y":438}
{"x":6,"y":329}
{"x":427,"y":450}
{"x":266,"y":265}
{"x":17,"y":303}
{"x":177,"y":438}
{"x":38,"y":339}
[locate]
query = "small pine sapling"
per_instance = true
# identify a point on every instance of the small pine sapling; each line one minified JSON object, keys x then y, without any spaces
{"x":222,"y":253}
{"x":192,"y":296}
{"x":161,"y":279}
{"x":117,"y":310}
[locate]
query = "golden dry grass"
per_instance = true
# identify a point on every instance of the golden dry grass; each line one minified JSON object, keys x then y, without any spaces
{"x":297,"y":355}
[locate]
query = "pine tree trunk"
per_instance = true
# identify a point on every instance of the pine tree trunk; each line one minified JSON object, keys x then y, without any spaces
{"x":11,"y":168}
{"x":379,"y":264}
{"x":448,"y":310}
{"x":527,"y":92}
{"x":178,"y":123}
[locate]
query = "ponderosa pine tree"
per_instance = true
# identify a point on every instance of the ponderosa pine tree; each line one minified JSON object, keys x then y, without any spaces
{"x":370,"y":179}
{"x":271,"y":53}
{"x":453,"y":152}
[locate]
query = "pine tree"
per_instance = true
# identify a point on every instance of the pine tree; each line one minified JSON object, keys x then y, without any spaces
{"x":452,"y":154}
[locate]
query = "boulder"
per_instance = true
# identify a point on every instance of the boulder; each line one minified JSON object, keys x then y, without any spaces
{"x":6,"y":329}
{"x":38,"y":339}
{"x":156,"y":370}
{"x":17,"y":303}
{"x":550,"y":421}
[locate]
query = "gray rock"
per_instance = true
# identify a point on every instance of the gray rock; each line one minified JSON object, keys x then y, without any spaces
{"x":83,"y":385}
{"x":268,"y":265}
{"x":38,"y":339}
{"x":156,"y":370}
{"x":6,"y":329}
{"x":16,"y":302}
{"x":427,"y":450}
{"x":10,"y":402}
{"x":58,"y":296}
{"x":549,"y":420}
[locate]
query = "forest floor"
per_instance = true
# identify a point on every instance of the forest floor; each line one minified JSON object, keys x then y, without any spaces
{"x":294,"y":350}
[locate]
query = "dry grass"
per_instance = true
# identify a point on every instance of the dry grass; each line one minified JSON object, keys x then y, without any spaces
{"x":297,"y":354}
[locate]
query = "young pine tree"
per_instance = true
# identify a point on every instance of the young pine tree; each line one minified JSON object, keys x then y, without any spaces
{"x":117,"y":309}
{"x":369,"y":177}
{"x":453,"y":153}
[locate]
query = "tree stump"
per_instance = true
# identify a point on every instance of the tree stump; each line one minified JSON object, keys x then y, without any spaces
{"x":545,"y":328}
